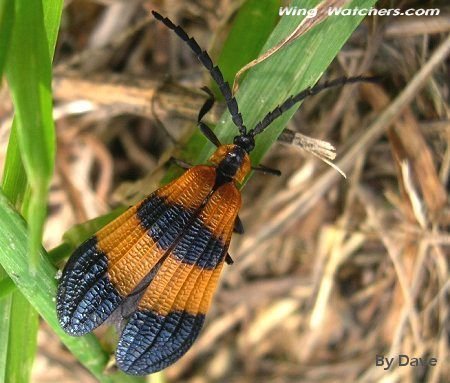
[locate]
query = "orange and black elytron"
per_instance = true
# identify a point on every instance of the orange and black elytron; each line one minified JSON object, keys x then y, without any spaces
{"x":157,"y":265}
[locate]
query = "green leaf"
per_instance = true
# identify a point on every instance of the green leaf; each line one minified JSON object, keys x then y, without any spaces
{"x":18,"y":320}
{"x":292,"y":69}
{"x":7,"y":286}
{"x":252,"y":26}
{"x":11,"y":349}
{"x":5,"y":319}
{"x":14,"y":177}
{"x":6,"y":24}
{"x":22,"y":346}
{"x":28,"y":71}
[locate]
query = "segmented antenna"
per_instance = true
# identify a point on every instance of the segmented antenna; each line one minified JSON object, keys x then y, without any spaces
{"x":292,"y":100}
{"x":215,"y":72}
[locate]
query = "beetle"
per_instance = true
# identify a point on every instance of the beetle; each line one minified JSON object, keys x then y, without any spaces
{"x":158,"y":264}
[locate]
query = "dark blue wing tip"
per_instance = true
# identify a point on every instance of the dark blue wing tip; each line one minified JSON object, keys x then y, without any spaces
{"x":86,"y":297}
{"x":71,"y":324}
{"x":73,"y":327}
{"x":151,"y":342}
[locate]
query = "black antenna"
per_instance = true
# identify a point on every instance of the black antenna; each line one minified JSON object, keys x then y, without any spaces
{"x":292,"y":100}
{"x":215,"y":72}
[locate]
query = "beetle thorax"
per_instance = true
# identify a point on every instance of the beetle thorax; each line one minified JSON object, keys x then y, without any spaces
{"x":232,"y":162}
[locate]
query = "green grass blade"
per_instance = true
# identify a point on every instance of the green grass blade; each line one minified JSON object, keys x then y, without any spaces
{"x":17,"y":348}
{"x":17,"y":336}
{"x":28,"y":71}
{"x":22,"y":340}
{"x":6,"y":24}
{"x":22,"y":346}
{"x":52,"y":10}
{"x":7,"y":286}
{"x":292,"y":69}
{"x":252,"y":26}
{"x":15,"y":183}
{"x":5,"y":320}
{"x":18,"y":320}
{"x":34,"y":109}
{"x":40,"y":290}
{"x":14,"y":180}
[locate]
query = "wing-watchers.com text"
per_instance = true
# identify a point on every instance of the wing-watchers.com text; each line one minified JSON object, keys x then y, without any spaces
{"x":334,"y":11}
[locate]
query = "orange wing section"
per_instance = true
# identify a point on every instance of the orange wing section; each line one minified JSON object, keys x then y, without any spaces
{"x":137,"y":240}
{"x":187,"y":278}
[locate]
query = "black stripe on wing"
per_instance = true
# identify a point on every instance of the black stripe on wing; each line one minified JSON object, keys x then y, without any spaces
{"x":151,"y":342}
{"x":172,"y":310}
{"x":86,"y":297}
